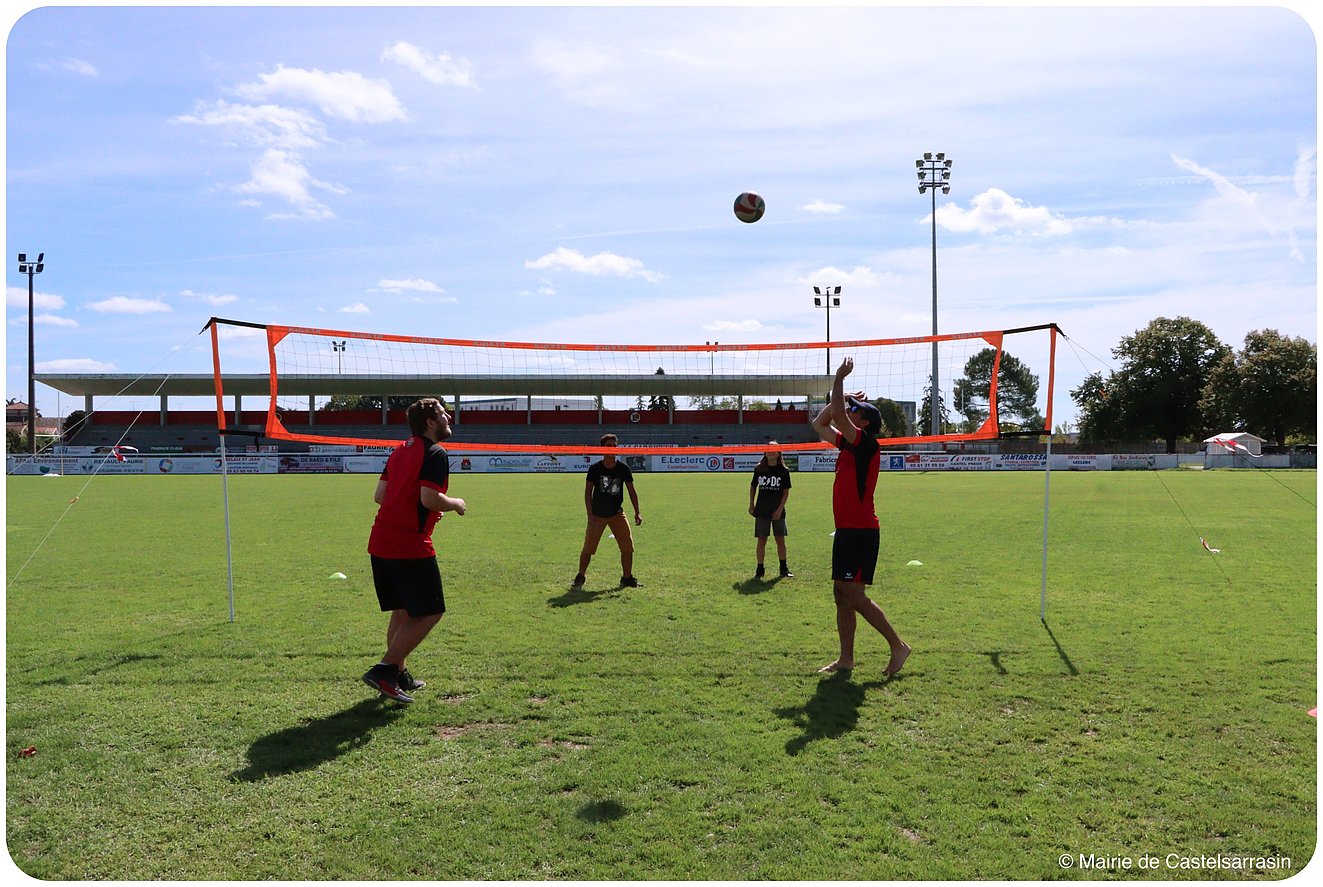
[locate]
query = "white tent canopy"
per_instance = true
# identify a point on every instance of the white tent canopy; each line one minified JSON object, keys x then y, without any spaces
{"x":1228,"y":442}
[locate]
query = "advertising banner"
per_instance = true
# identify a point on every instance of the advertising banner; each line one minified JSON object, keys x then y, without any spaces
{"x":373,"y":464}
{"x":311,"y":464}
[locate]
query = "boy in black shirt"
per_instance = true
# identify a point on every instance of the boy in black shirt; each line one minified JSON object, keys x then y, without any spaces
{"x":603,"y":498}
{"x":771,"y":485}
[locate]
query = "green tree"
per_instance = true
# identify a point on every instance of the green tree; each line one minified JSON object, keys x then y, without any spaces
{"x":339,"y":402}
{"x":893,"y":418}
{"x":1156,"y":393}
{"x":73,"y":423}
{"x":1269,"y":388}
{"x":924,"y":421}
{"x":1101,"y":415}
{"x":662,"y":402}
{"x":1017,"y":392}
{"x":15,"y":441}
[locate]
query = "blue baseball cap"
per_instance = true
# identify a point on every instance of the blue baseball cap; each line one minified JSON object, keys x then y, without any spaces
{"x":866,"y":413}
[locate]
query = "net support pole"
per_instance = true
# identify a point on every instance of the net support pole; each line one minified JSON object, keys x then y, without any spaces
{"x":1047,"y":501}
{"x":225,"y":465}
{"x":1047,"y":468}
{"x":229,"y":547}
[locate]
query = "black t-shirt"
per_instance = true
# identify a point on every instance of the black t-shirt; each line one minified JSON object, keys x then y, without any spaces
{"x":771,"y":481}
{"x":609,"y":487}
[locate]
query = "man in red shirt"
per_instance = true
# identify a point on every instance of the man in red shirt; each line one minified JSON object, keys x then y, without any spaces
{"x":852,"y":424}
{"x":411,"y":494}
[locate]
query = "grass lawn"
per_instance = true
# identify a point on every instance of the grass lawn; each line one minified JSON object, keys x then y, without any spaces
{"x":678,"y":730}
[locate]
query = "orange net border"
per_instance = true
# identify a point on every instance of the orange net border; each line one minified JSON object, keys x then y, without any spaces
{"x":275,"y":429}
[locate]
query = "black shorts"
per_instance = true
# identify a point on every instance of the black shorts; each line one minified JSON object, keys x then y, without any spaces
{"x":854,"y":555}
{"x":409,"y":584}
{"x":765,"y":526}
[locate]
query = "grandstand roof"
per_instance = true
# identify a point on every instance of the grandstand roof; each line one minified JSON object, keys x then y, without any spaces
{"x":259,"y":384}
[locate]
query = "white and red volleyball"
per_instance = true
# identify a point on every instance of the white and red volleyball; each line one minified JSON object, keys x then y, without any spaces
{"x":749,"y":207}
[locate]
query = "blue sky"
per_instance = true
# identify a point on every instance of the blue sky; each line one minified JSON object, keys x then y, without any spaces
{"x":556,"y":174}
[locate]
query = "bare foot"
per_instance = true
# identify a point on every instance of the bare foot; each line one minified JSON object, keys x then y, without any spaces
{"x":898,"y":658}
{"x":831,"y":667}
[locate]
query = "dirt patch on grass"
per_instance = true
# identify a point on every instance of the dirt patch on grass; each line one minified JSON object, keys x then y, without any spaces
{"x":454,"y":731}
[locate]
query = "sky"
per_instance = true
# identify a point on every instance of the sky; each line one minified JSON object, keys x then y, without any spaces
{"x":552,"y":174}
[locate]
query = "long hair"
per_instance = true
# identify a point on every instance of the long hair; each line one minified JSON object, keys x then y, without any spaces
{"x":780,"y":460}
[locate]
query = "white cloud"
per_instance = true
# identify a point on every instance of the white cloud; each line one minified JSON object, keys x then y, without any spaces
{"x":53,"y":320}
{"x":282,"y":174}
{"x":861,"y":276}
{"x":18,"y":297}
{"x":74,"y":365}
{"x":994,"y":211}
{"x":733,"y":326}
{"x":414,"y":285}
{"x":821,"y":206}
{"x":210,"y":298}
{"x":78,"y":66}
{"x":126,"y":305}
{"x":356,"y":308}
{"x":600,"y":265}
{"x":440,"y":69}
{"x":262,"y":125}
{"x":347,"y":95}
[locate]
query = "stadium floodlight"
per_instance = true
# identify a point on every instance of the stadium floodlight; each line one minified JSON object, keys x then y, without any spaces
{"x":828,"y":297}
{"x":935,"y":173}
{"x":31,"y":269}
{"x":338,"y":346}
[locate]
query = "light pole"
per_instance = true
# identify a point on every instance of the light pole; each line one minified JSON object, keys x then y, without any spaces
{"x":31,"y":269}
{"x":828,"y":297}
{"x":339,"y":349}
{"x":934,"y":173}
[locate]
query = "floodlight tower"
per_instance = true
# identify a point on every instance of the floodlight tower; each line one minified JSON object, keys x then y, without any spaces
{"x":31,"y":269}
{"x":934,"y":173}
{"x":338,"y":346}
{"x":828,"y":297}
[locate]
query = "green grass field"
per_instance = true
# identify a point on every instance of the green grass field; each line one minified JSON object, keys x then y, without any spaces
{"x":675,"y":731}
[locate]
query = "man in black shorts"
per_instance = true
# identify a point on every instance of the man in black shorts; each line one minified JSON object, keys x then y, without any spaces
{"x":411,"y":494}
{"x":851,"y":424}
{"x":603,"y":499}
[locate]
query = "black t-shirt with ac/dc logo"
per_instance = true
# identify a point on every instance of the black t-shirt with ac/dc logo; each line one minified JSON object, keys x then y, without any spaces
{"x":609,"y":487}
{"x":771,"y":481}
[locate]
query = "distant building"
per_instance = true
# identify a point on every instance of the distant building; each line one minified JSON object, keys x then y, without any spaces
{"x":522,"y":403}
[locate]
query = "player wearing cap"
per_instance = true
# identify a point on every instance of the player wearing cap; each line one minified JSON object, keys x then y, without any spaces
{"x":851,"y":424}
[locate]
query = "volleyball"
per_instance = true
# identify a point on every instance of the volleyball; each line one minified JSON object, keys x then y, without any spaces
{"x":749,"y":207}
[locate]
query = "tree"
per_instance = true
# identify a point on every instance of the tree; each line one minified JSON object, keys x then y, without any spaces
{"x":1102,"y":416}
{"x":340,"y":402}
{"x":1270,"y":388}
{"x":893,"y":418}
{"x":1156,"y":393}
{"x":15,"y":441}
{"x":1017,"y":392}
{"x":73,"y":423}
{"x":925,"y":420}
{"x":661,"y":401}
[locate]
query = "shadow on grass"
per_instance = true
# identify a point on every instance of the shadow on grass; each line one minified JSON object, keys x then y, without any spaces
{"x":601,"y":811}
{"x":578,"y":596}
{"x":756,"y":586}
{"x":115,"y":662}
{"x":317,"y":741}
{"x":831,"y":712}
{"x":994,"y":656}
{"x":1060,"y":652}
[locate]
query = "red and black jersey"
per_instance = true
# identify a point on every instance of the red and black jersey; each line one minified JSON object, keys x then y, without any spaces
{"x":857,"y":466}
{"x":403,"y":528}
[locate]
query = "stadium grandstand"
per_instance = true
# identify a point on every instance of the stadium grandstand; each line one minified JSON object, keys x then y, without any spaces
{"x":536,"y":418}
